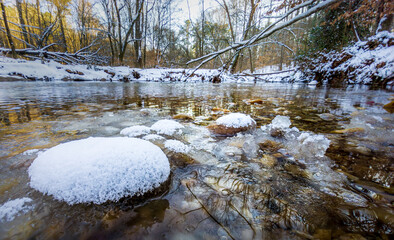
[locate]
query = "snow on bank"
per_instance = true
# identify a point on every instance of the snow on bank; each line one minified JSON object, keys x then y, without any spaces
{"x":235,"y":120}
{"x":14,"y":208}
{"x":51,"y":70}
{"x":99,"y":169}
{"x":363,"y":62}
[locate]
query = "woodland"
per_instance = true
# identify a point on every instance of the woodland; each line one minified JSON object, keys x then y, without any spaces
{"x":235,"y":35}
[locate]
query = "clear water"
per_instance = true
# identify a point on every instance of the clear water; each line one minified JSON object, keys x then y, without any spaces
{"x":224,"y":190}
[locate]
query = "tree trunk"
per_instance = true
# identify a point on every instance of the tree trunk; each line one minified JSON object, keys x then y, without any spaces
{"x":138,"y":34}
{"x":253,"y":6}
{"x":9,"y":37}
{"x":22,"y":22}
{"x":60,"y":16}
{"x":385,"y":23}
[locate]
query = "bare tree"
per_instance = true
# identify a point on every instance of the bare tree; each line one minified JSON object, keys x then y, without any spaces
{"x":281,"y":23}
{"x":7,"y":28}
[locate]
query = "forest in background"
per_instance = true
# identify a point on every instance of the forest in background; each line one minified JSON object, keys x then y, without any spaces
{"x":147,"y":33}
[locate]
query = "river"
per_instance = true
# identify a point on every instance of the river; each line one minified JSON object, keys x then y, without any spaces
{"x":232,"y":188}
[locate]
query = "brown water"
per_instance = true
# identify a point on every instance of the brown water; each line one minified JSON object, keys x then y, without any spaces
{"x":227,"y":191}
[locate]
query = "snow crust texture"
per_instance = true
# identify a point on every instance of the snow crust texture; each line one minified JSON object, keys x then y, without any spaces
{"x":176,"y":146}
{"x":135,"y":131}
{"x":167,"y":127}
{"x":13,"y":208}
{"x":99,"y":169}
{"x":235,"y":120}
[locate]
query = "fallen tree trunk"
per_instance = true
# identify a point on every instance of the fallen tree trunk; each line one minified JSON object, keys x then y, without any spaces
{"x":63,"y":57}
{"x":276,"y":26}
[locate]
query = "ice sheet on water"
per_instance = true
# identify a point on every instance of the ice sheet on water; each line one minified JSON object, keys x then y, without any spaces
{"x":135,"y":131}
{"x":236,"y":120}
{"x":167,"y":127}
{"x":99,"y":169}
{"x":176,"y":146}
{"x":13,"y":208}
{"x":303,"y":145}
{"x":313,"y":144}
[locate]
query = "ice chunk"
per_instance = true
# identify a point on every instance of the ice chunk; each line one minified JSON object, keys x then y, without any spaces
{"x":313,"y":144}
{"x":135,"y":131}
{"x":281,"y":122}
{"x":167,"y":127}
{"x":99,"y":169}
{"x":13,"y":208}
{"x":176,"y":146}
{"x":235,"y":120}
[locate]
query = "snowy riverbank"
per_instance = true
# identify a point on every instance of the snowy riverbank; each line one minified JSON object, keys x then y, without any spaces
{"x":19,"y":69}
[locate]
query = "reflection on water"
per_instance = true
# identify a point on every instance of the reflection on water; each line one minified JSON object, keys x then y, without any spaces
{"x":232,"y":188}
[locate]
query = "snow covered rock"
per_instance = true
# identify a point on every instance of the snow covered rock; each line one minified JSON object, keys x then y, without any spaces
{"x":176,"y":146}
{"x":13,"y":208}
{"x":167,"y":127}
{"x":232,"y":124}
{"x":135,"y":131}
{"x":99,"y":169}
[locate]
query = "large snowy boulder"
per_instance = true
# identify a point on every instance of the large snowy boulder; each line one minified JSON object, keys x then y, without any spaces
{"x":99,"y":169}
{"x":232,"y":124}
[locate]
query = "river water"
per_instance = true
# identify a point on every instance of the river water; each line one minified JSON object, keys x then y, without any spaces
{"x":229,"y":188}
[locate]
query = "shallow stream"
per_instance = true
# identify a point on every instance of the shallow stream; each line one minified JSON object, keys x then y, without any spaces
{"x":226,"y":188}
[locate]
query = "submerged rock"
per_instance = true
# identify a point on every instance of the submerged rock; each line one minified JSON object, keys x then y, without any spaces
{"x":232,"y":124}
{"x":350,"y":130}
{"x":182,"y":116}
{"x":327,"y":116}
{"x":99,"y":170}
{"x":389,"y":107}
{"x":255,"y":101}
{"x":180,"y":159}
{"x":268,"y":160}
{"x":270,"y":145}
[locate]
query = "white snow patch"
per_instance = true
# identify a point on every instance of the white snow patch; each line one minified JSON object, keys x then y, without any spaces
{"x":153,"y":137}
{"x":135,"y":131}
{"x":13,"y":208}
{"x":31,"y":152}
{"x":176,"y":146}
{"x":167,"y":127}
{"x":235,"y":120}
{"x":99,"y":169}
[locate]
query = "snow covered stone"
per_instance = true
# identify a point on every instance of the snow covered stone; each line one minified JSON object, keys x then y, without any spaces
{"x":167,"y":127}
{"x":13,"y":208}
{"x":176,"y":146}
{"x":135,"y":131}
{"x":235,"y":120}
{"x":99,"y":169}
{"x":232,"y":124}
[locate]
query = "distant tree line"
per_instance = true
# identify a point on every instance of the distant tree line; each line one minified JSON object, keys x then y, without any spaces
{"x":234,"y":34}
